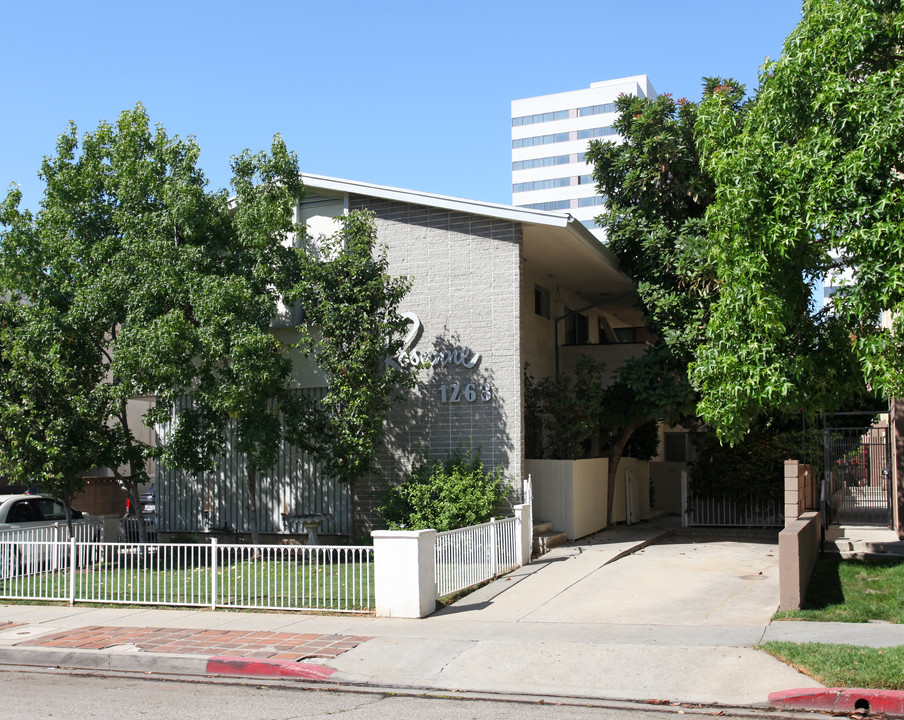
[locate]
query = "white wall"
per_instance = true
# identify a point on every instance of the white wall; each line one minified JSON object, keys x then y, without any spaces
{"x":571,"y":494}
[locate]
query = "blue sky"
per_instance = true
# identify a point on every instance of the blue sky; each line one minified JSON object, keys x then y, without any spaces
{"x":410,"y":94}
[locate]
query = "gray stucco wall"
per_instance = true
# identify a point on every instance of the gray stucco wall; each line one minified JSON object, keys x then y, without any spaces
{"x":465,"y":273}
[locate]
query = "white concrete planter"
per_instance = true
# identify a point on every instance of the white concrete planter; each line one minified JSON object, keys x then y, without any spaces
{"x":571,"y":494}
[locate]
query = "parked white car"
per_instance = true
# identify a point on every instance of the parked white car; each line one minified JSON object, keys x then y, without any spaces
{"x":29,"y":511}
{"x":32,"y":530}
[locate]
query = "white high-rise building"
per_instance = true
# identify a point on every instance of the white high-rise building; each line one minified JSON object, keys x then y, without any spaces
{"x":549,"y":137}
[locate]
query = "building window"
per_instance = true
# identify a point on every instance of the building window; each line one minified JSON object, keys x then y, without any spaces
{"x":541,"y":184}
{"x":596,"y":132}
{"x":675,"y":447}
{"x":577,"y":327}
{"x":542,"y":162}
{"x":596,"y":109}
{"x":626,"y":334}
{"x":552,"y":206}
{"x":682,"y":446}
{"x":541,"y":140}
{"x":540,"y":118}
{"x":589,"y":201}
{"x":541,"y":301}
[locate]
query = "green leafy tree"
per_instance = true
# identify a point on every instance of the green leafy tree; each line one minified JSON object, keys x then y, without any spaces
{"x":241,"y":384}
{"x":51,"y":422}
{"x":351,"y":326}
{"x":810,"y":184}
{"x":167,"y":288}
{"x":562,"y":414}
{"x":657,"y":195}
{"x":650,"y":388}
{"x":135,"y":281}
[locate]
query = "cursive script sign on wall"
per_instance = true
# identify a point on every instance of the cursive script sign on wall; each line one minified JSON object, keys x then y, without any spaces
{"x":410,"y":356}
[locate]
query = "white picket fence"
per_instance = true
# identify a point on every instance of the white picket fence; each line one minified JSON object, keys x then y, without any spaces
{"x":43,"y":564}
{"x":87,"y":530}
{"x":470,"y":555}
{"x":129,"y":532}
{"x":753,"y":512}
{"x":263,"y":577}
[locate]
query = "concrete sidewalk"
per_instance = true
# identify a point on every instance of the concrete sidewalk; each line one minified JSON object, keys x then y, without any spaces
{"x":613,"y":617}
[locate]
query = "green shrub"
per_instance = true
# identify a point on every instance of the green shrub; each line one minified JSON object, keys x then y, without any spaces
{"x":444,"y":494}
{"x":754,"y":466}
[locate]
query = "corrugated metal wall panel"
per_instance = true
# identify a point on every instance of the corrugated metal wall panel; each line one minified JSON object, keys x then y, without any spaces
{"x":219,"y":499}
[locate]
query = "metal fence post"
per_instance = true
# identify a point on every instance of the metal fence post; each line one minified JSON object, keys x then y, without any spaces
{"x":213,"y":573}
{"x":493,"y":548}
{"x":71,"y":571}
{"x":530,"y":503}
{"x":684,"y":498}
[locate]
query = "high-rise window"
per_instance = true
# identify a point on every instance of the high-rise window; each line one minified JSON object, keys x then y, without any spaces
{"x":551,"y":206}
{"x":540,"y":117}
{"x":541,"y":184}
{"x":543,"y":162}
{"x":541,"y":140}
{"x":596,"y":109}
{"x":589,"y":201}
{"x":596,"y":132}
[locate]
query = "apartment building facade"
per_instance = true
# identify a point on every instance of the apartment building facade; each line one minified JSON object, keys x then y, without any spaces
{"x":550,"y":134}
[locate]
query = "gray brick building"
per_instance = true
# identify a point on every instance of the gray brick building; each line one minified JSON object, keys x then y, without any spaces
{"x":494,"y":288}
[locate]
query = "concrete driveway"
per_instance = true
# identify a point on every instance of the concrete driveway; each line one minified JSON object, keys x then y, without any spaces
{"x":677,"y":620}
{"x":689,"y":578}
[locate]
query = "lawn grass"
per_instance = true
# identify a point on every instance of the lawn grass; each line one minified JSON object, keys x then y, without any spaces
{"x":267,"y":584}
{"x":844,"y":665}
{"x":853,"y":591}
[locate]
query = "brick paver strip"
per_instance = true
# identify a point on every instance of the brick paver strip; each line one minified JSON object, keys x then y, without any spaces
{"x":203,"y":642}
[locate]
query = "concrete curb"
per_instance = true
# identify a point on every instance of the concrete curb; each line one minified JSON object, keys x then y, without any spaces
{"x":262,"y":668}
{"x":841,"y":700}
{"x":173,"y":664}
{"x":167,"y":664}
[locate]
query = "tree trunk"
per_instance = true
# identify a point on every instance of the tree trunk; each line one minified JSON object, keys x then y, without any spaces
{"x":129,"y":483}
{"x":615,"y":456}
{"x":130,"y":488}
{"x":67,"y":507}
{"x":251,"y":487}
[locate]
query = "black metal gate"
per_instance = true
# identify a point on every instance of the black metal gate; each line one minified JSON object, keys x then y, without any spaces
{"x":857,"y":472}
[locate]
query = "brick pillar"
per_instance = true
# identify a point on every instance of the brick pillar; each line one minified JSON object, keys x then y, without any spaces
{"x":792,"y":491}
{"x":896,"y":408}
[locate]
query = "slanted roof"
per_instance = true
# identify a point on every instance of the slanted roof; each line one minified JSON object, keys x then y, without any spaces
{"x":554,"y":244}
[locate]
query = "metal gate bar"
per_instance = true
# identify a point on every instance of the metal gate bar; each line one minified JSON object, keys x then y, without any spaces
{"x":857,"y":474}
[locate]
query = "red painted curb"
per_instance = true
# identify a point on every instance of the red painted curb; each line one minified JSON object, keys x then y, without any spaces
{"x":885,"y":702}
{"x":266,"y":668}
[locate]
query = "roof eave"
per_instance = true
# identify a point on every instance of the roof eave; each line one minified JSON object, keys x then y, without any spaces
{"x":475,"y":207}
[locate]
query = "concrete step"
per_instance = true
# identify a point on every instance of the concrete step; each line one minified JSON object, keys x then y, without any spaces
{"x":850,"y":548}
{"x":541,"y":526}
{"x":546,"y":540}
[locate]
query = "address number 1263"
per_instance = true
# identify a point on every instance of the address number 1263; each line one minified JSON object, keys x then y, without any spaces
{"x":465,"y":393}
